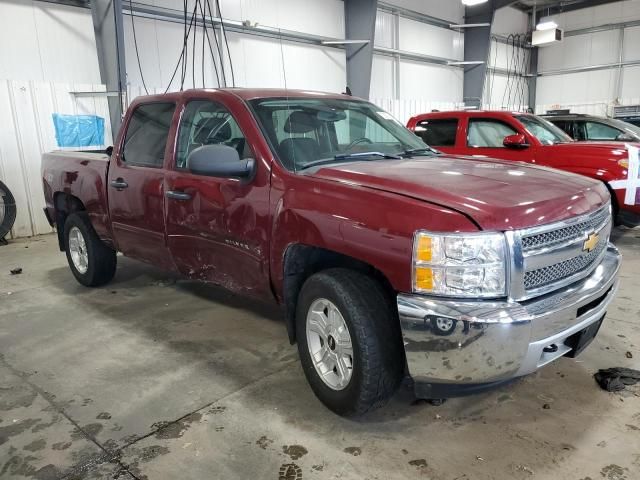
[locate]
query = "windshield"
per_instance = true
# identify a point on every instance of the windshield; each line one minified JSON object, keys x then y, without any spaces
{"x":305,"y":132}
{"x":543,"y":130}
{"x":629,"y":128}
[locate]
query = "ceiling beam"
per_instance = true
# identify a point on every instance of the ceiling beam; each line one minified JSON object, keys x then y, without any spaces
{"x":562,"y":7}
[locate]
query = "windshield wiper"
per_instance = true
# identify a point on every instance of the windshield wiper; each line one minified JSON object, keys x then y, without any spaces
{"x":350,"y":156}
{"x":418,"y":151}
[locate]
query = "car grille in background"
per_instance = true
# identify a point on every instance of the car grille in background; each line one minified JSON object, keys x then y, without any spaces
{"x":566,"y":234}
{"x":562,"y":270}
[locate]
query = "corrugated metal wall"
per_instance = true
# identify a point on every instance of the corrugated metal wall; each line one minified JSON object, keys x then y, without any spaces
{"x":27,"y":131}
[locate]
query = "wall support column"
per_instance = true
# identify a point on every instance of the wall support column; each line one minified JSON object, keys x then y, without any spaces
{"x":109,"y":32}
{"x":360,"y":24}
{"x":477,"y":43}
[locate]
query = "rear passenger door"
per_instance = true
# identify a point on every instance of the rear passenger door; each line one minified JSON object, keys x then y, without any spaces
{"x":440,"y":133}
{"x":218,"y":229}
{"x":136,"y":184}
{"x":485,"y":137}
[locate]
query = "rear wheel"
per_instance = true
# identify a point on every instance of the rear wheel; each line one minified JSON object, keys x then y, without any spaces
{"x":349,"y":341}
{"x":91,"y":261}
{"x":7,"y":210}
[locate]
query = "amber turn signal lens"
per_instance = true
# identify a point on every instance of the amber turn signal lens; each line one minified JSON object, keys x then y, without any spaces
{"x":624,"y":163}
{"x":424,"y":251}
{"x":424,"y":278}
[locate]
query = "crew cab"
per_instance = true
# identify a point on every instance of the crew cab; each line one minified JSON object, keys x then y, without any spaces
{"x":529,"y":138}
{"x":387,"y":257}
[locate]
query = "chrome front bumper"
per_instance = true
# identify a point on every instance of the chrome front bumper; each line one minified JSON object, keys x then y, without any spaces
{"x":484,"y":342}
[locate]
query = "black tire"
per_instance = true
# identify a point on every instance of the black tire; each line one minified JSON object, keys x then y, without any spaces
{"x":101,"y":265}
{"x":372,"y":321}
{"x":8,"y":213}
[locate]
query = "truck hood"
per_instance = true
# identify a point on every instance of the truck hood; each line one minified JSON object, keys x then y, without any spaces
{"x":615,"y":149}
{"x":497,"y":195}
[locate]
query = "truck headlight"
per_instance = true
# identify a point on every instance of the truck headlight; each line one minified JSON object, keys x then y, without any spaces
{"x":459,"y":265}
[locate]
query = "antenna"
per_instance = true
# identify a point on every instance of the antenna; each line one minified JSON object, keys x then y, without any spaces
{"x":286,"y":90}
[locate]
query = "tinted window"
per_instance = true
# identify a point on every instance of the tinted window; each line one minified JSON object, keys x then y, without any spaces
{"x":208,"y":123}
{"x":564,"y":125}
{"x":147,"y":134}
{"x":488,"y":133}
{"x":600,"y":131}
{"x":439,"y":133}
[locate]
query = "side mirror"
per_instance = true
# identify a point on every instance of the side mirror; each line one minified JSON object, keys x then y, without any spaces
{"x":219,"y":161}
{"x":517,"y":140}
{"x":625,"y":137}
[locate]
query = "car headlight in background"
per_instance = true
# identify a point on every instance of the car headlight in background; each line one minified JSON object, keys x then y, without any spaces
{"x":459,"y":265}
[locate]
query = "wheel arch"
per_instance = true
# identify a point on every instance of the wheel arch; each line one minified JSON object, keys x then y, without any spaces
{"x":64,"y":205}
{"x":302,"y":260}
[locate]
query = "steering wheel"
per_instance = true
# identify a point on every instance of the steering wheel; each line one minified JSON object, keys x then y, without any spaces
{"x":358,"y":141}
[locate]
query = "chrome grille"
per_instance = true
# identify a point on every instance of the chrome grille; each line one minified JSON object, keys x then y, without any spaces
{"x":549,"y":257}
{"x":547,"y":275}
{"x":566,"y":234}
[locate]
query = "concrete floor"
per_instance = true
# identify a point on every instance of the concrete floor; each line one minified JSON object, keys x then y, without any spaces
{"x":153,"y":377}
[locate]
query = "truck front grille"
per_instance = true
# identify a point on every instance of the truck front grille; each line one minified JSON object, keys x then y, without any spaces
{"x":560,"y":271}
{"x":565,"y":234}
{"x":551,"y":256}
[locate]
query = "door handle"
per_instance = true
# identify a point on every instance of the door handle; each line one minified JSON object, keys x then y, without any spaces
{"x":177,"y":195}
{"x":119,"y":184}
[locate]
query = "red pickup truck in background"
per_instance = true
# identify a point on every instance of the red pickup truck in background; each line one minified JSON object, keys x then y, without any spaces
{"x":376,"y":246}
{"x":529,"y":138}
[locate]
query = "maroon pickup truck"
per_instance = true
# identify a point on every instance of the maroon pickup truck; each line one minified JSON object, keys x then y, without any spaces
{"x":388,"y":258}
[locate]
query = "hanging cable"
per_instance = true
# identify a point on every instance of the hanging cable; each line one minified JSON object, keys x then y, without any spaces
{"x":180,"y":62}
{"x":203,"y":10}
{"x":135,"y":44}
{"x":226,"y":40}
{"x":215,"y":38}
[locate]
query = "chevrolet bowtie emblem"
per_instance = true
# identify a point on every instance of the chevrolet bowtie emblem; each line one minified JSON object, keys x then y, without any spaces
{"x":591,"y":242}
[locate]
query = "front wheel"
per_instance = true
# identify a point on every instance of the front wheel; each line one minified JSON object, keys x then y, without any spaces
{"x":349,"y":341}
{"x":91,"y":261}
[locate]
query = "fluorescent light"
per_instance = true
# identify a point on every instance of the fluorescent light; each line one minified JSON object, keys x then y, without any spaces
{"x":546,"y":23}
{"x":470,"y":3}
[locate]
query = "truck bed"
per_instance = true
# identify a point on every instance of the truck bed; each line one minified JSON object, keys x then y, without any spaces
{"x":80,"y":175}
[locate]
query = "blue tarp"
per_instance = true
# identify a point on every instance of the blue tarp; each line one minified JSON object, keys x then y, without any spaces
{"x":78,"y":130}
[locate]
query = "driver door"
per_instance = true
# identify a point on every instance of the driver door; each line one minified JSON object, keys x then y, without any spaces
{"x":217,"y":228}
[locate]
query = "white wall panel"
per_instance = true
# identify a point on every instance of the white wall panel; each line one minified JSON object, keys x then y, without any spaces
{"x":614,"y":12}
{"x":403,"y":110}
{"x":382,"y":77}
{"x":432,"y":83}
{"x":502,"y":92}
{"x":385,"y":29}
{"x":631,"y":84}
{"x":47,"y":42}
{"x":452,"y":10}
{"x":576,"y":88}
{"x":631,"y":42}
{"x":25,"y":115}
{"x":508,"y":20}
{"x":580,"y":51}
{"x":430,"y":40}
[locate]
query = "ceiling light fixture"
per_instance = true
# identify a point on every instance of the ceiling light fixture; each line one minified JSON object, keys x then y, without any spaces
{"x":471,"y":3}
{"x":546,"y":23}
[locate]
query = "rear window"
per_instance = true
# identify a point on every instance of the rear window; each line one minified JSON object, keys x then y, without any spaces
{"x":147,"y":134}
{"x":439,"y":133}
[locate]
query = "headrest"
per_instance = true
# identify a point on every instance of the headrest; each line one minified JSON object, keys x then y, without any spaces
{"x":211,"y":130}
{"x":300,"y":122}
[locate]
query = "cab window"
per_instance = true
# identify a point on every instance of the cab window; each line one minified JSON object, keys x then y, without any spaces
{"x":438,"y":133}
{"x":600,"y":131}
{"x":488,"y":133}
{"x":208,"y":123}
{"x":147,"y":133}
